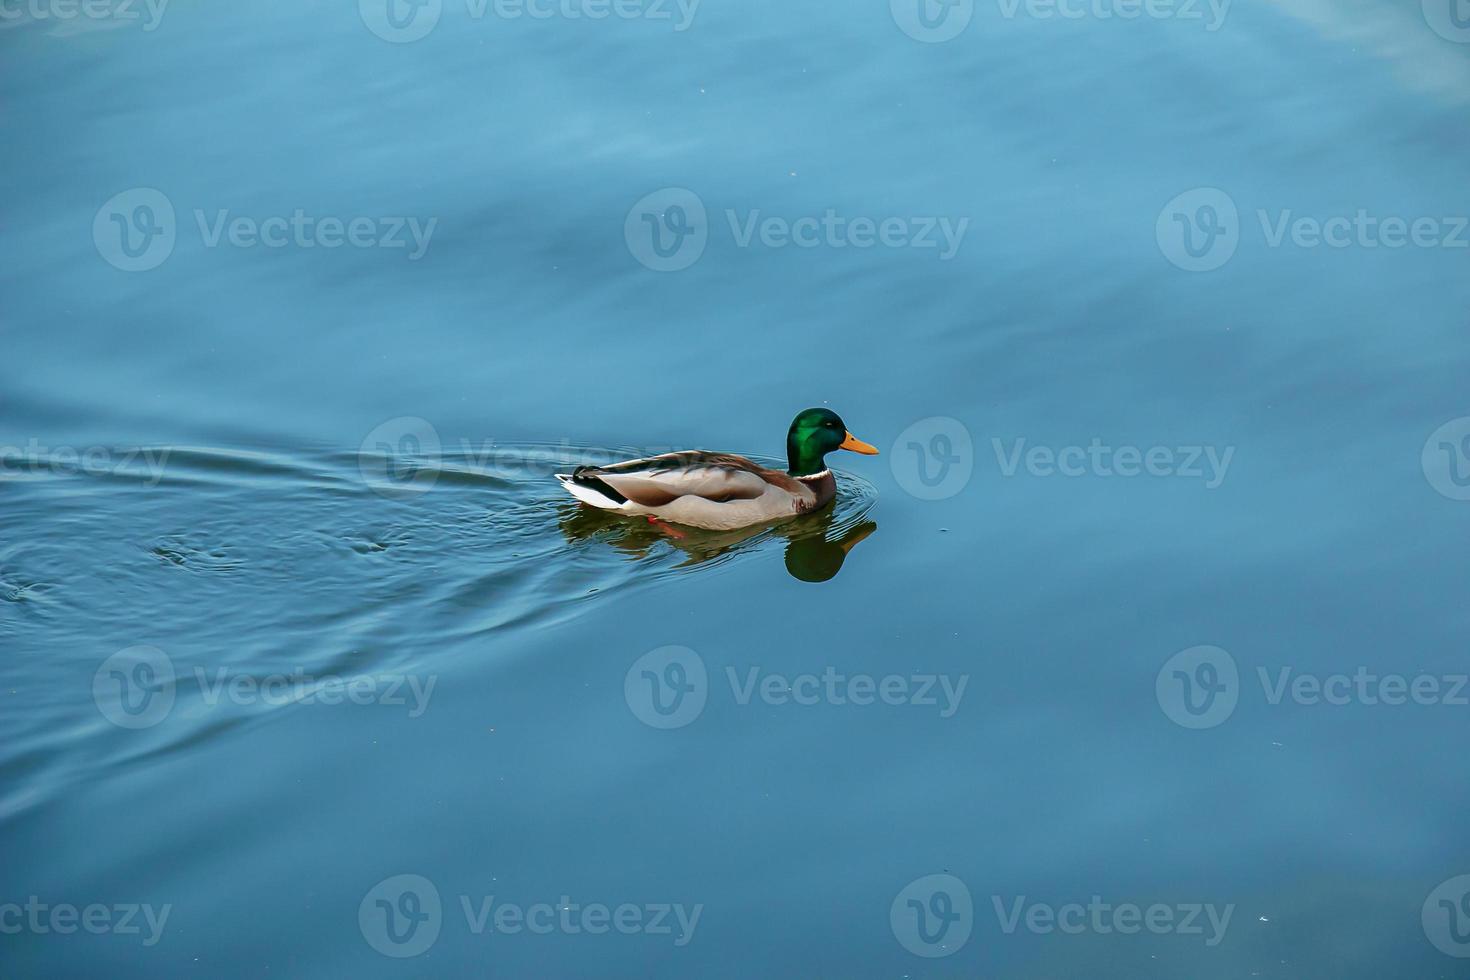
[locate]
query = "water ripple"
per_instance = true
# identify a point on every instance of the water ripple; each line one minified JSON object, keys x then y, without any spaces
{"x":352,"y":577}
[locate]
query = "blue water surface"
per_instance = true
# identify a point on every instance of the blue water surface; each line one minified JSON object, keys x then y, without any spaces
{"x":310,"y":663}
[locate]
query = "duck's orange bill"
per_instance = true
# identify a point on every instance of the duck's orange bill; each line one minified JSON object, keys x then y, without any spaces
{"x":857,"y":445}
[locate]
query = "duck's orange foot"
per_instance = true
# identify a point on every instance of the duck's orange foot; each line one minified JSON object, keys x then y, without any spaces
{"x":672,"y":532}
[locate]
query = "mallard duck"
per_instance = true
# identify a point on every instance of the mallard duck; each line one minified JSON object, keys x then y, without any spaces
{"x":721,"y":491}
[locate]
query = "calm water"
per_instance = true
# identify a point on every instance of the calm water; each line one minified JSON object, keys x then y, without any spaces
{"x":291,"y":607}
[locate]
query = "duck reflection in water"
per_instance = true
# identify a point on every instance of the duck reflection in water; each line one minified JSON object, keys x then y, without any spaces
{"x":814,"y":551}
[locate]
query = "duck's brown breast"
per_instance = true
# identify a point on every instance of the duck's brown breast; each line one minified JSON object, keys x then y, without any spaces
{"x":822,"y":485}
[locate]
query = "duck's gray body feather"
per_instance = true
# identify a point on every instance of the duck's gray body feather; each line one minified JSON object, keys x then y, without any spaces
{"x":701,"y":489}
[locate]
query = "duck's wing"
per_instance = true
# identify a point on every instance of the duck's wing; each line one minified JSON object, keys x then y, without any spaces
{"x":660,"y":480}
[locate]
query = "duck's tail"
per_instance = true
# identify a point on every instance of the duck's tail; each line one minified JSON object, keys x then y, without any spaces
{"x":584,"y":484}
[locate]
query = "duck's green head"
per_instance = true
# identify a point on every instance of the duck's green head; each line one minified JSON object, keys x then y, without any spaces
{"x":815,"y":433}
